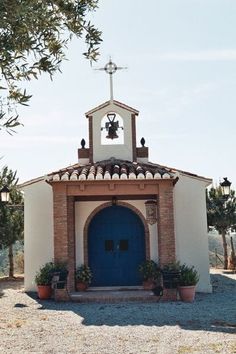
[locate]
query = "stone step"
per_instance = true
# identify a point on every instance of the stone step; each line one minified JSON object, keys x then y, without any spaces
{"x":114,"y":296}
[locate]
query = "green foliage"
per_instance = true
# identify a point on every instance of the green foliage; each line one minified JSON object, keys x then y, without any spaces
{"x":34,"y":35}
{"x":171,"y":274}
{"x":188,"y":275}
{"x":11,"y":214}
{"x":221,"y":215}
{"x":149,"y":270}
{"x":84,"y":274}
{"x":171,"y":267}
{"x":221,"y":211}
{"x":61,"y":269}
{"x":45,"y":274}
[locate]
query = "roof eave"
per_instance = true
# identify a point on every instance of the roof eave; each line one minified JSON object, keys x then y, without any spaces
{"x":116,"y":103}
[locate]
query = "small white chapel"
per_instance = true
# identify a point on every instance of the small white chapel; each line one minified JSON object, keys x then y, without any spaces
{"x":114,"y":208}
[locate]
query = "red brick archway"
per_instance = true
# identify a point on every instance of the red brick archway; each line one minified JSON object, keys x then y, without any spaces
{"x":64,"y":197}
{"x":127,"y":205}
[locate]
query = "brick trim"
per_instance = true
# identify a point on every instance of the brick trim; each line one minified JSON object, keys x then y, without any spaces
{"x":83,"y":153}
{"x":71,"y":242}
{"x":90,"y":138}
{"x":166,"y":231}
{"x":133,"y":122}
{"x":127,"y":205}
{"x":64,"y":233}
{"x":142,"y":151}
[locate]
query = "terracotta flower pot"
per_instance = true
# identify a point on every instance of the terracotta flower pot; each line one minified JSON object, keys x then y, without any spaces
{"x":187,"y":293}
{"x":44,"y":292}
{"x":81,"y":286}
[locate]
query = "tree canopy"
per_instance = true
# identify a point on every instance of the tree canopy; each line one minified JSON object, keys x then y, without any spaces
{"x":11,"y":215}
{"x":33,"y":39}
{"x":221,"y":214}
{"x":221,"y":211}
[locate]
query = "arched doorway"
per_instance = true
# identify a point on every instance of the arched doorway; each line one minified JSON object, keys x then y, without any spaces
{"x":116,"y":247}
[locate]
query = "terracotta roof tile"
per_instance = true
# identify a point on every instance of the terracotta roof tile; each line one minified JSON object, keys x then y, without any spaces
{"x":112,"y":169}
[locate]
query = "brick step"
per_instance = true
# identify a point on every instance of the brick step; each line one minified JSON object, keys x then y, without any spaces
{"x":108,"y":296}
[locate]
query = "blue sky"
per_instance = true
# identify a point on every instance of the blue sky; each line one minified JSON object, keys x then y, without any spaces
{"x":181,"y":76}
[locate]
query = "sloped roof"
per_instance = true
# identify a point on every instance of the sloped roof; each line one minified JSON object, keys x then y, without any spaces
{"x":116,"y":103}
{"x":111,"y":169}
{"x":114,"y":169}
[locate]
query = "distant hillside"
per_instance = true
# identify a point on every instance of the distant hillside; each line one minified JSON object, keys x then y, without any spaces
{"x":215,"y":246}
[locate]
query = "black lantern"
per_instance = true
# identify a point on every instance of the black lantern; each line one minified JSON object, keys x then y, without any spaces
{"x":225,"y":185}
{"x":5,"y":194}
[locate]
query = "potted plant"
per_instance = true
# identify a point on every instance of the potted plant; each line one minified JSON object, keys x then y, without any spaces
{"x":170,"y":275}
{"x":188,"y":280}
{"x":43,"y":279}
{"x":150,"y":272}
{"x":83,"y":277}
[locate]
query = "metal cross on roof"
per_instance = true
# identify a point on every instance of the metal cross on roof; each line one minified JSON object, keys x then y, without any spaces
{"x":110,"y":68}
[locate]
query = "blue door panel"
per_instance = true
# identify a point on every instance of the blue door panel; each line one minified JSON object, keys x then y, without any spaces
{"x":116,"y":247}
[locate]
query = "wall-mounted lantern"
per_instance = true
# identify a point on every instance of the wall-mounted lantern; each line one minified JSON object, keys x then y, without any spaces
{"x":5,"y":194}
{"x":151,"y":211}
{"x":225,"y":185}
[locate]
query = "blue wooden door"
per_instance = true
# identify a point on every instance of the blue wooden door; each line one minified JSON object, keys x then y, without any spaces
{"x":116,"y":247}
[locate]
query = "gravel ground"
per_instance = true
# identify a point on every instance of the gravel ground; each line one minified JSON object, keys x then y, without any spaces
{"x":206,"y":326}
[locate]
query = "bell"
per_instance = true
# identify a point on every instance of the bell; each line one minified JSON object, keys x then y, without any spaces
{"x":112,"y":132}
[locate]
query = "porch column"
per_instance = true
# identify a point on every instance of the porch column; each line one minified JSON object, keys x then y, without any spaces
{"x":64,"y":231}
{"x":166,"y":232}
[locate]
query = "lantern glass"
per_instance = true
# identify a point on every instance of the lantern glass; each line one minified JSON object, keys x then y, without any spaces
{"x":5,"y":194}
{"x":225,"y":185}
{"x":226,"y":190}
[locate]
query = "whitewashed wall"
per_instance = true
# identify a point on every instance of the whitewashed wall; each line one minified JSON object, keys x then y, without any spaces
{"x":102,"y":152}
{"x":38,"y":234}
{"x":82,"y":212}
{"x":191,"y":227}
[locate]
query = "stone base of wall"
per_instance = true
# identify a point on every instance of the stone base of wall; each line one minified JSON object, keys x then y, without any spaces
{"x":61,"y":295}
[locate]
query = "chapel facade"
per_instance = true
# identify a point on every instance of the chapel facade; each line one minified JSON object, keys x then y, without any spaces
{"x":114,"y":208}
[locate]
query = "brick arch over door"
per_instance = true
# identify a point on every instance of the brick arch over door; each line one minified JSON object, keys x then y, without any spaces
{"x":124,"y":204}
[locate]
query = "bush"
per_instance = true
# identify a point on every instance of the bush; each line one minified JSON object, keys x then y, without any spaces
{"x":149,"y":270}
{"x":45,"y":274}
{"x":188,"y":275}
{"x":171,"y":267}
{"x":84,"y":274}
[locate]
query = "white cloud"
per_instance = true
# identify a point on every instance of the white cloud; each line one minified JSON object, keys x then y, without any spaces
{"x":201,"y":55}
